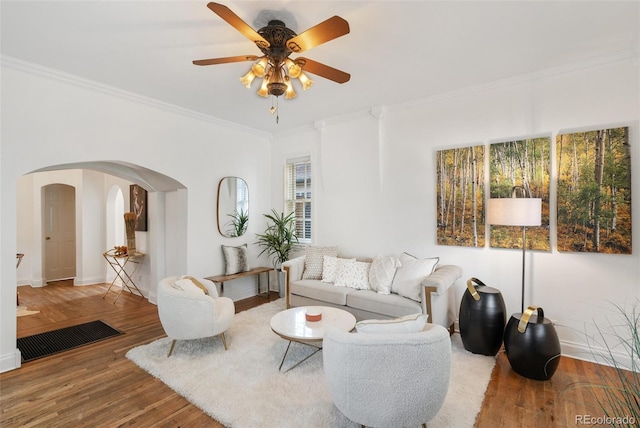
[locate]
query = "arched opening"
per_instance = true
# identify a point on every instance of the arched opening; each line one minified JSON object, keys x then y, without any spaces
{"x":100,"y":204}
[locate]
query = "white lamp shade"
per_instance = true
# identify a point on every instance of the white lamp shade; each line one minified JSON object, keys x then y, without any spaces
{"x":514,"y":211}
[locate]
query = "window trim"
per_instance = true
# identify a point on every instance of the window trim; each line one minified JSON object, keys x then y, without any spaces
{"x":290,"y":189}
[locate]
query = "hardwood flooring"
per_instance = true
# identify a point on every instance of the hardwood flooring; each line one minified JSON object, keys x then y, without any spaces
{"x":96,"y":386}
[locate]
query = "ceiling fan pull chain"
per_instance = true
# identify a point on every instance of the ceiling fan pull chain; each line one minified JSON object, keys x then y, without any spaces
{"x":277,"y":111}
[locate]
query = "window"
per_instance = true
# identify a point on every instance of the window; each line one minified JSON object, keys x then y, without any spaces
{"x":298,"y":195}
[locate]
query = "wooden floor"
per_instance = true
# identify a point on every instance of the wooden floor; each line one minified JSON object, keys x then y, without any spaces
{"x":96,"y":386}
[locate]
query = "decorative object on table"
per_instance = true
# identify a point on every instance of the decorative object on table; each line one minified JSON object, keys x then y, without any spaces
{"x":313,"y":315}
{"x":514,"y":211}
{"x":130,"y":227}
{"x":278,"y":240}
{"x":138,"y":204}
{"x":594,"y":191}
{"x":187,"y":313}
{"x":532,"y":344}
{"x":120,"y":250}
{"x":483,"y":316}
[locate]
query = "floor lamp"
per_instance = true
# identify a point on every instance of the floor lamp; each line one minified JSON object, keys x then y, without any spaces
{"x":516,"y":212}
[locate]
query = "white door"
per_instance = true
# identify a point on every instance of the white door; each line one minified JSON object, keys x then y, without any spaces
{"x":59,"y":221}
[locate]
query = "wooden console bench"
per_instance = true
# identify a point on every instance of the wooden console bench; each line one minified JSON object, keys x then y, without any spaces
{"x":221,"y":279}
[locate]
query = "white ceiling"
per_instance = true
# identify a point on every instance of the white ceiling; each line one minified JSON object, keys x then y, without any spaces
{"x":396,"y":52}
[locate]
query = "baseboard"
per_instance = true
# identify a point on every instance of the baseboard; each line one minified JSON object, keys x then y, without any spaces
{"x":584,"y":352}
{"x":10,"y":361}
{"x":88,"y":281}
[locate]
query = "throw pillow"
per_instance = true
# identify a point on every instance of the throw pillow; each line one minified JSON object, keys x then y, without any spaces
{"x":407,"y":324}
{"x":314,"y":257}
{"x":408,"y":279}
{"x":235,"y":259}
{"x":353,"y":274}
{"x":188,"y":287}
{"x":196,"y":283}
{"x":381,"y":274}
{"x":330,"y":267}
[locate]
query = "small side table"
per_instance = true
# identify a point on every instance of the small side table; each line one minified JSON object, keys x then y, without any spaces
{"x":118,"y":263}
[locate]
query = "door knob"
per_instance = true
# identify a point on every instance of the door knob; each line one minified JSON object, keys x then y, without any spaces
{"x":48,"y":238}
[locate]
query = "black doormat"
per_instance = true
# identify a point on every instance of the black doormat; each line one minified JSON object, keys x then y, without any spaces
{"x":49,"y":343}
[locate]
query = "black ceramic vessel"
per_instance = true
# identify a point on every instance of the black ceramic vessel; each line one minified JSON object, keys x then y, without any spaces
{"x":532,"y":344}
{"x":482,"y":318}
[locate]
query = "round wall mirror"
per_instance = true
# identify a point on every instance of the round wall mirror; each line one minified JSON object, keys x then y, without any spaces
{"x":233,"y":206}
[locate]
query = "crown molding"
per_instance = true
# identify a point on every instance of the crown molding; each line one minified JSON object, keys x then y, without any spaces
{"x":67,"y":78}
{"x":590,"y":63}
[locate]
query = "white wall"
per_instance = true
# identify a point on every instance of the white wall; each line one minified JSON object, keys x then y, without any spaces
{"x":49,"y":118}
{"x":391,"y":207}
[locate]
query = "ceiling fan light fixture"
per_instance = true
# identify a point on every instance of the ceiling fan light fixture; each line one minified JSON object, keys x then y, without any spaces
{"x":259,"y":68}
{"x":290,"y":93}
{"x":247,"y":79}
{"x":294,"y":69}
{"x":264,"y":90}
{"x":306,"y":82}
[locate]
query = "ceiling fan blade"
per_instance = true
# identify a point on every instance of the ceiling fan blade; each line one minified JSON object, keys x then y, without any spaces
{"x":322,"y":70}
{"x":234,"y":20}
{"x":225,"y":60}
{"x":325,"y":31}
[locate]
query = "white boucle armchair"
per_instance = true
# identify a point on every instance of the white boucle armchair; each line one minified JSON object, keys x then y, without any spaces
{"x":388,"y":379}
{"x":187,"y":314}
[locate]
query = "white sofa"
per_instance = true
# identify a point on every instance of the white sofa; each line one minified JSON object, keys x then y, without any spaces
{"x":437,"y":298}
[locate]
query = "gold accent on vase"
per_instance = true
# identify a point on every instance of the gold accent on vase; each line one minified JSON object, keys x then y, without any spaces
{"x":524,"y":320}
{"x":472,"y":289}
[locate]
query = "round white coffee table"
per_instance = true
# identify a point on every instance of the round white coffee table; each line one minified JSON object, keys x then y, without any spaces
{"x":293,"y":326}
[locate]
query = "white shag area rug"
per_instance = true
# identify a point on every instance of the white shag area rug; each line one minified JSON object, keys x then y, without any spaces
{"x":242,"y":387}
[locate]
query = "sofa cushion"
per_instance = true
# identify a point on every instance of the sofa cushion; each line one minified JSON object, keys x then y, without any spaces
{"x":314,"y":257}
{"x":407,"y":324}
{"x":331,"y":266}
{"x":353,"y":274}
{"x":318,"y":290}
{"x":390,"y":305}
{"x":408,"y":279}
{"x":381,"y":274}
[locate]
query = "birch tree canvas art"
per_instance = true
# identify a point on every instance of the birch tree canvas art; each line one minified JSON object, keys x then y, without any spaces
{"x":460,"y":196}
{"x":525,"y":163}
{"x":594,"y":191}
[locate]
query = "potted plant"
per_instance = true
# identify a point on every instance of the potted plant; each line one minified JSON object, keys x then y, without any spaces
{"x":278,"y":240}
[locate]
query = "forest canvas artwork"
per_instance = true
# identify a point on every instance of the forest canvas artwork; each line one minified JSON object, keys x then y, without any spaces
{"x":460,"y":196}
{"x":525,"y":163}
{"x":594,"y":191}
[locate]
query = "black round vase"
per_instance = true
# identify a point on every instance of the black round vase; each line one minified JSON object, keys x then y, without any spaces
{"x":482,"y":318}
{"x":532,"y":344}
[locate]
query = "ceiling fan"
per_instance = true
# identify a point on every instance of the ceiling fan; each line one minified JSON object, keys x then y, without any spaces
{"x":277,"y":42}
